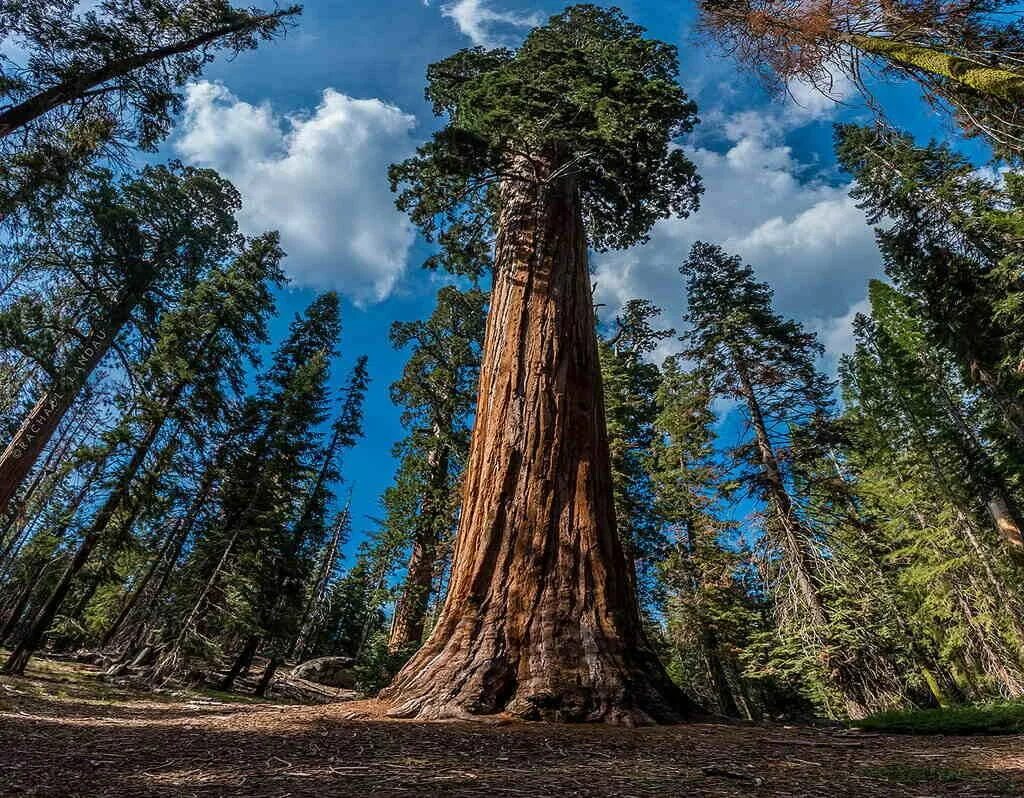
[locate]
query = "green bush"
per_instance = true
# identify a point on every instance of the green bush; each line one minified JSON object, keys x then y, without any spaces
{"x":994,"y":718}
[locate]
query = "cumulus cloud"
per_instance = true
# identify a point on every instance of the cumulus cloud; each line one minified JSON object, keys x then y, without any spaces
{"x":836,"y":334}
{"x":319,"y":178}
{"x":484,"y":25}
{"x":803,"y":235}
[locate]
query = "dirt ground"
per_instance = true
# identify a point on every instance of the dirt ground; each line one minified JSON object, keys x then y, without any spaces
{"x":64,"y":733}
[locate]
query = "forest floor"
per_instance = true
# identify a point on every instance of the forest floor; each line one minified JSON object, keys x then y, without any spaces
{"x":64,"y":732}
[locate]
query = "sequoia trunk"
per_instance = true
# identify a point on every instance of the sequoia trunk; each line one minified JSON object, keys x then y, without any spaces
{"x":540,"y":620}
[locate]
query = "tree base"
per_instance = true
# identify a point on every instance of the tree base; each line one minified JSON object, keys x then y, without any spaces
{"x":17,"y":662}
{"x":638,"y":699}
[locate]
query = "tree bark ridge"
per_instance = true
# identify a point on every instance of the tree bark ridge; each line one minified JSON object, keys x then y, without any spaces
{"x":540,"y":620}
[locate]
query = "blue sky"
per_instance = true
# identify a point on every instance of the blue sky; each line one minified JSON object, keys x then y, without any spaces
{"x":306,"y":126}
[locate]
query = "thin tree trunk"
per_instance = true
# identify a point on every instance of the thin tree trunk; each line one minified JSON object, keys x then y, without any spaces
{"x":794,"y":542}
{"x":170,"y":553}
{"x":540,"y":620}
{"x":1000,"y":504}
{"x":169,"y":660}
{"x":70,"y":510}
{"x":241,"y":664}
{"x":45,"y":416}
{"x":75,"y":88}
{"x":268,"y":677}
{"x":18,"y":611}
{"x":319,"y":592}
{"x":129,"y":605}
{"x":54,"y":457}
{"x":411,"y":606}
{"x":795,"y":539}
{"x":717,"y":677}
{"x":30,"y":644}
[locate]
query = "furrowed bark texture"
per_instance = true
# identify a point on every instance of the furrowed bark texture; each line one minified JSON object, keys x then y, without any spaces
{"x":540,"y":619}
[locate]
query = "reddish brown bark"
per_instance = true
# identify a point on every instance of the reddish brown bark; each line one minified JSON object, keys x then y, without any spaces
{"x":540,"y":620}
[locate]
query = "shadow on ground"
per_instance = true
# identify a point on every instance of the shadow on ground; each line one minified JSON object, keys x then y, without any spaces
{"x":71,"y":736}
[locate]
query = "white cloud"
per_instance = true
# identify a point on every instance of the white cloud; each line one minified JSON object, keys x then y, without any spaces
{"x":485,"y":26}
{"x":319,"y":178}
{"x":804,"y":236}
{"x":836,"y":334}
{"x":805,"y":103}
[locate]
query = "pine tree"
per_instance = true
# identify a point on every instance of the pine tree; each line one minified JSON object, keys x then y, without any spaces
{"x":199,"y":346}
{"x":630,"y":387}
{"x":119,"y":61}
{"x":746,"y":352}
{"x":83,"y":84}
{"x":250,"y":542}
{"x":945,"y":244}
{"x":927,"y":496}
{"x":285,"y":583}
{"x":556,"y":147}
{"x":155,"y":232}
{"x":709,"y":612}
{"x":436,"y":394}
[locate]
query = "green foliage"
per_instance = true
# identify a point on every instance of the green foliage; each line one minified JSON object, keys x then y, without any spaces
{"x":989,"y":718}
{"x":437,"y":393}
{"x":630,"y":387}
{"x":80,"y":84}
{"x":101,"y":60}
{"x":586,"y":99}
{"x":949,"y":245}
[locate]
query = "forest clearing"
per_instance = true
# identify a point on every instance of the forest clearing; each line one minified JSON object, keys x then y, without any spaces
{"x":64,"y":733}
{"x":503,"y":397}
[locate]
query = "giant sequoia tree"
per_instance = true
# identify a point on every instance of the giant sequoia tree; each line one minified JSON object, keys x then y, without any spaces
{"x":562,"y":144}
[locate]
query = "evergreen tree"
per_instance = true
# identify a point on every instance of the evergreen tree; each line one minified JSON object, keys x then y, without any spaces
{"x":928,"y":496}
{"x":142,"y":239}
{"x":630,"y":387}
{"x":262,"y":494}
{"x":285,"y":584}
{"x":748,"y":353}
{"x":558,"y":146}
{"x":709,"y":611}
{"x":436,"y":393}
{"x":79,"y":84}
{"x":228,"y":312}
{"x":948,"y":244}
{"x":120,"y":61}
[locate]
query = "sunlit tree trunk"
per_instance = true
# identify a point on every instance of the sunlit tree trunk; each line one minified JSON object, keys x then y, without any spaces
{"x":540,"y":620}
{"x":46,"y":414}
